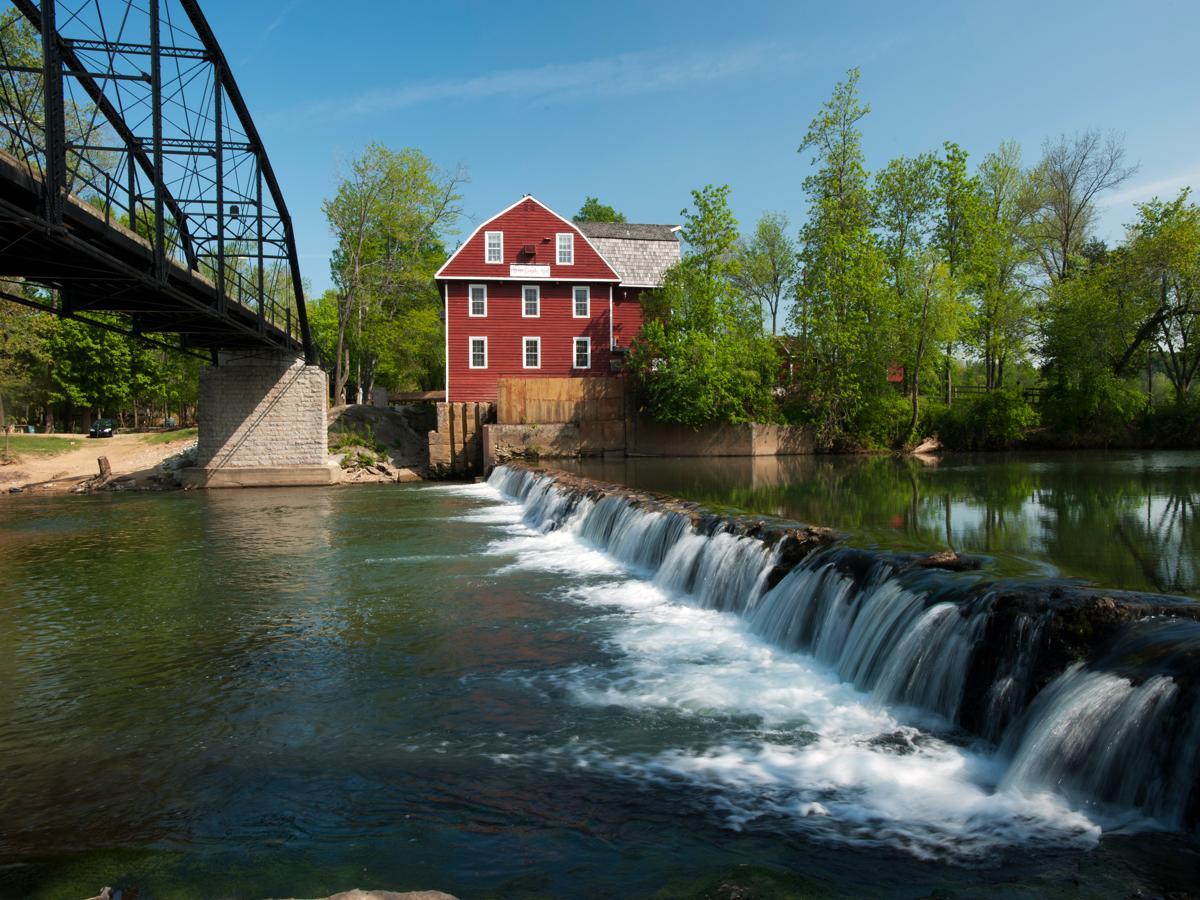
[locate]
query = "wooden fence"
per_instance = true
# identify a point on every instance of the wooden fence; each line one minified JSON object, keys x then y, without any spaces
{"x":534,"y":401}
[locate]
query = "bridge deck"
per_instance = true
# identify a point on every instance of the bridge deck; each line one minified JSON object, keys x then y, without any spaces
{"x":96,"y":263}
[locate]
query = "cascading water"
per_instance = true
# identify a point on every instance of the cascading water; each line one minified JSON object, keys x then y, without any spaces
{"x":1119,"y":731}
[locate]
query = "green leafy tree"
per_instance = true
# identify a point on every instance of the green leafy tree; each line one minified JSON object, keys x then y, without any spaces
{"x":842,"y":304}
{"x":1165,"y":246}
{"x":595,"y":211}
{"x":768,"y":265}
{"x":1004,"y":317}
{"x":702,"y":356}
{"x":390,"y":217}
{"x":89,"y":368}
{"x":1063,"y":194}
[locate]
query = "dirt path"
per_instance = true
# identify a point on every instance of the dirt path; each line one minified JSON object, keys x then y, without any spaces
{"x":127,"y":453}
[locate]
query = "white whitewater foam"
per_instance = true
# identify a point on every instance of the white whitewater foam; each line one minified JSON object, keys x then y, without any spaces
{"x":820,"y":756}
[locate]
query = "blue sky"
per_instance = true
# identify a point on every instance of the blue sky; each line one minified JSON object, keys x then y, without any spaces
{"x":638,"y":103}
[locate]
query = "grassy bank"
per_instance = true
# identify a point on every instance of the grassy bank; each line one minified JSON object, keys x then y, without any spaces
{"x":38,"y":444}
{"x":166,"y":437}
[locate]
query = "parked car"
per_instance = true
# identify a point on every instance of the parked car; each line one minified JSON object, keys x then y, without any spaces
{"x":102,"y":428}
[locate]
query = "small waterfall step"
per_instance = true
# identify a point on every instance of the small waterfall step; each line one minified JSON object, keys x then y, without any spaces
{"x":1088,"y":693}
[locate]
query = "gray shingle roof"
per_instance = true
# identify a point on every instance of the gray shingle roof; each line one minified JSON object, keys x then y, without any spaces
{"x":641,"y":254}
{"x":628,"y":230}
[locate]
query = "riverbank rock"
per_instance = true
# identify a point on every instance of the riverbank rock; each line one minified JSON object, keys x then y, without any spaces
{"x":948,"y":560}
{"x":397,"y":429}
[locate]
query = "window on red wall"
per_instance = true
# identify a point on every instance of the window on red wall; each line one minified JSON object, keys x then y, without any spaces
{"x":494,"y":244}
{"x":581,"y":307}
{"x":531,"y":301}
{"x":583,"y":353}
{"x":532,"y":357}
{"x":566,"y":249}
{"x":478,"y":353}
{"x":478,"y":300}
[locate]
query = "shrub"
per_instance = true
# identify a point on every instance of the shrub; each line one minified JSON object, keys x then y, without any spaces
{"x":1175,"y":424}
{"x":881,"y":421}
{"x":1094,"y":409}
{"x":993,"y":422}
{"x":347,"y":436}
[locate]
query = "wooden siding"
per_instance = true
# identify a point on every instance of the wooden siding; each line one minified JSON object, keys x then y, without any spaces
{"x":505,"y":328}
{"x":627,"y":315}
{"x":527,"y":223}
{"x":522,"y":401}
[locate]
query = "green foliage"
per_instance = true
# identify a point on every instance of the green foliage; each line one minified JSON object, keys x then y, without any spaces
{"x":1175,"y":424}
{"x":841,"y":302}
{"x":89,"y":367}
{"x":996,"y":421}
{"x":40,"y":445}
{"x":702,"y":356}
{"x":175,"y":434}
{"x":880,"y":422}
{"x":767,"y":265}
{"x":391,"y":216}
{"x":595,"y":211}
{"x":1092,"y":407}
{"x":352,"y":436}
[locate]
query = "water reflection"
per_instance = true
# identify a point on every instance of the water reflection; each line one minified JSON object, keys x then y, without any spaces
{"x":1123,"y":520}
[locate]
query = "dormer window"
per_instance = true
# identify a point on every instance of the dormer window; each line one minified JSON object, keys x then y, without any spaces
{"x":566,"y":249}
{"x":494,"y":246}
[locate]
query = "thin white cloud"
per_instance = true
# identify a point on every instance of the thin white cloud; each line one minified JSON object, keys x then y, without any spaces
{"x":282,"y":17}
{"x":623,"y":75}
{"x":1164,"y":188}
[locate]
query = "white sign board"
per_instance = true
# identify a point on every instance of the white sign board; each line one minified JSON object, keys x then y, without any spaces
{"x":517,"y":271}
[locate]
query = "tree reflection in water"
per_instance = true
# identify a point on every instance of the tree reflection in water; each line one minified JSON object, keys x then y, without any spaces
{"x":1123,"y":520}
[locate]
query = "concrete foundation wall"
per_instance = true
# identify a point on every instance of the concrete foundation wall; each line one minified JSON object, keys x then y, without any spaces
{"x":456,"y":447}
{"x":261,"y":410}
{"x":647,"y":437}
{"x":557,"y":440}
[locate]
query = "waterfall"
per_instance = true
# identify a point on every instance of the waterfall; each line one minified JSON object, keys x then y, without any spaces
{"x":1119,"y":729}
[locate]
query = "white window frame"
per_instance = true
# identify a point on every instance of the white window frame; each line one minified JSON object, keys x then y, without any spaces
{"x":487,"y":258}
{"x":587,"y":292}
{"x":471,"y":301}
{"x":570,"y":248}
{"x":525,"y":352}
{"x":536,"y":288}
{"x":471,"y":351}
{"x":587,"y":341}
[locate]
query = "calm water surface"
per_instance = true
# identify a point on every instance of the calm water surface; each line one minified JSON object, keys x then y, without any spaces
{"x":1121,"y":520}
{"x":288,"y":693}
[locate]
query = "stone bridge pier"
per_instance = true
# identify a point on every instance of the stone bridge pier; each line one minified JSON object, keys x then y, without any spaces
{"x":262,"y":423}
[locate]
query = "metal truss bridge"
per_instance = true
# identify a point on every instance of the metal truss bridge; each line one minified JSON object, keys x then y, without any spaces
{"x":133,"y":181}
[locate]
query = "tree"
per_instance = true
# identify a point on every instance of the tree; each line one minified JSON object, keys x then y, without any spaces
{"x":89,"y":368}
{"x":1063,"y":191}
{"x":702,"y":356}
{"x":925,"y":293}
{"x":768,"y":265}
{"x":389,"y":216}
{"x":840,"y":300}
{"x":1165,"y":248}
{"x":595,"y":211}
{"x":1004,"y":315}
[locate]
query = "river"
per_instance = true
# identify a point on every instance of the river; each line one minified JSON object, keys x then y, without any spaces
{"x":1121,"y":519}
{"x":287,"y":693}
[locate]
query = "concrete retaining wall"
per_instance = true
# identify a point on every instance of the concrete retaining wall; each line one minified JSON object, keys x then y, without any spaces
{"x":646,"y":437}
